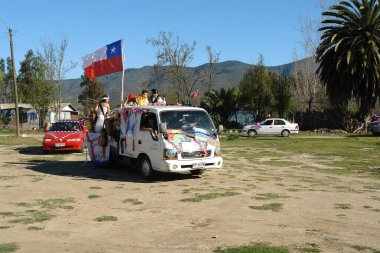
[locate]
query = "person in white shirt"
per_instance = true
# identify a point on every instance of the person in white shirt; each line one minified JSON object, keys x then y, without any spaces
{"x":155,"y":98}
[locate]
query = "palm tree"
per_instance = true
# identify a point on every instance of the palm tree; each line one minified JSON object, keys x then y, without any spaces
{"x":349,"y":53}
{"x":221,"y":105}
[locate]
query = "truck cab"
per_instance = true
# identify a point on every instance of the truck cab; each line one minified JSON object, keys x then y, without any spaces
{"x":168,"y":139}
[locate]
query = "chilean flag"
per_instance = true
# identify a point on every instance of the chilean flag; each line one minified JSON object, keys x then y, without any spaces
{"x":195,"y":94}
{"x":106,"y":60}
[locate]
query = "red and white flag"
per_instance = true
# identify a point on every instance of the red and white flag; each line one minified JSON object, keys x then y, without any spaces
{"x":106,"y":60}
{"x":195,"y":94}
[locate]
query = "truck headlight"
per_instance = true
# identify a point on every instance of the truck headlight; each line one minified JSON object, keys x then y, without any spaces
{"x":217,"y":151}
{"x":170,"y":154}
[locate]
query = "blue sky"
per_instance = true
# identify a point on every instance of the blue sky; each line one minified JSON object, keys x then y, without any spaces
{"x":241,"y":29}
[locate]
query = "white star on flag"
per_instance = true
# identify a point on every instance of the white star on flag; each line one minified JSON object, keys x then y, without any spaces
{"x":113,"y":50}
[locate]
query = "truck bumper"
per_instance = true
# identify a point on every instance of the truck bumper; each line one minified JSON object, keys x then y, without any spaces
{"x":183,"y":165}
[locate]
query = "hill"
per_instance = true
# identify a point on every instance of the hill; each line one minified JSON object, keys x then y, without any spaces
{"x":227,"y":74}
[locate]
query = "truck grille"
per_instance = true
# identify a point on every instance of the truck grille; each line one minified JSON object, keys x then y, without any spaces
{"x":195,"y":154}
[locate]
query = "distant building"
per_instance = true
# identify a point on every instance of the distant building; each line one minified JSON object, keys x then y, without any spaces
{"x":67,"y":112}
{"x":28,"y":116}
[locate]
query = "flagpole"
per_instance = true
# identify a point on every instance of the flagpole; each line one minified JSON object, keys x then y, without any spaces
{"x":122,"y":75}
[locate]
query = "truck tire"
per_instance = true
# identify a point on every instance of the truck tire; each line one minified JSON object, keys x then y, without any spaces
{"x":197,"y":172}
{"x":145,"y":167}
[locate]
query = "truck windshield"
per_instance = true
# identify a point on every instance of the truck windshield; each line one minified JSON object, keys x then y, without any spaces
{"x":186,"y":120}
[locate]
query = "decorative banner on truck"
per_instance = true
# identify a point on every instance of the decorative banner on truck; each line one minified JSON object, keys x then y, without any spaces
{"x":99,"y":151}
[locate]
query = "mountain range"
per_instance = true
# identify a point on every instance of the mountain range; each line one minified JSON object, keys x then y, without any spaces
{"x":227,"y":74}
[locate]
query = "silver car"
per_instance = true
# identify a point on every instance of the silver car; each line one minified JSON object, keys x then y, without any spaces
{"x":275,"y":126}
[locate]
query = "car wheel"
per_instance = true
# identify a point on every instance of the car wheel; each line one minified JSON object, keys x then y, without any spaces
{"x":251,"y":133}
{"x":197,"y":172}
{"x":285,"y":133}
{"x":145,"y":167}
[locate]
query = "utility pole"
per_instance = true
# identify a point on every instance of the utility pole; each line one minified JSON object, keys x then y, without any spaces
{"x":14,"y":84}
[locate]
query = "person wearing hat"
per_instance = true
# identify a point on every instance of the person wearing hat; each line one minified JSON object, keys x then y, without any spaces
{"x":102,"y":108}
{"x":131,"y":100}
{"x":155,"y":98}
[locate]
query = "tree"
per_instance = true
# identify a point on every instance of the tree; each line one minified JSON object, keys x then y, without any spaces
{"x":281,"y":87}
{"x":91,"y":93}
{"x":2,"y":78}
{"x":213,"y":59}
{"x":349,"y":53}
{"x":309,"y":92}
{"x":33,"y":87}
{"x":221,"y":105}
{"x":173,"y":58}
{"x":8,"y":94}
{"x":53,"y":55}
{"x":254,"y":89}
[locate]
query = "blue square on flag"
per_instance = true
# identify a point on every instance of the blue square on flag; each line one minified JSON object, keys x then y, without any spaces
{"x":114,"y":49}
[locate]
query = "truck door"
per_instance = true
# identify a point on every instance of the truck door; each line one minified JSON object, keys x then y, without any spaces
{"x":148,"y":139}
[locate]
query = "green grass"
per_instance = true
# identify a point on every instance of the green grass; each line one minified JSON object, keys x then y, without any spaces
{"x":372,"y":187}
{"x":133,"y":201}
{"x":343,"y":206}
{"x":274,"y":207}
{"x":347,"y":153}
{"x":253,"y":248}
{"x":55,"y":203}
{"x":24,"y":204}
{"x":34,"y":216}
{"x":49,"y":203}
{"x":9,"y":214}
{"x":8,"y":247}
{"x":7,"y":177}
{"x":267,"y":196}
{"x":13,"y":140}
{"x":5,"y":227}
{"x":365,"y":248}
{"x":311,"y":248}
{"x":208,"y":196}
{"x":94,"y":196}
{"x":35,"y":228}
{"x":281,"y":163}
{"x":106,"y":218}
{"x":95,"y":187}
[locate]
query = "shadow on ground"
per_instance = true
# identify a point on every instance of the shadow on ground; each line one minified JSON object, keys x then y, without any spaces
{"x":80,"y":170}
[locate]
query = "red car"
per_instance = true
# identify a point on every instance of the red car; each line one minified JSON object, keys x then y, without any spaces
{"x":64,"y":135}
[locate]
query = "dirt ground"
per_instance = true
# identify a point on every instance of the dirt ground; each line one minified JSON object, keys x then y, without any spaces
{"x":332,"y":213}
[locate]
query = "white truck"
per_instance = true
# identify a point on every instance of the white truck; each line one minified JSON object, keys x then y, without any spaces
{"x":168,"y":139}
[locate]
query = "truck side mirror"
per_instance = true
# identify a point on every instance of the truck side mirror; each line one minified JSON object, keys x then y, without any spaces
{"x":220,"y":129}
{"x":163,"y":128}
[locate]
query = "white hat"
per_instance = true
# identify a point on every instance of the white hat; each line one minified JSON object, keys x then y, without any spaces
{"x":105,"y":97}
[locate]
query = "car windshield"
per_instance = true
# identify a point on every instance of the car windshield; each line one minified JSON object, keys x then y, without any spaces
{"x":65,"y":126}
{"x":187,"y":120}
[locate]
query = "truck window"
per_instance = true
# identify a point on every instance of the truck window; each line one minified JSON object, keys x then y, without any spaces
{"x":186,"y":119}
{"x":148,"y":122}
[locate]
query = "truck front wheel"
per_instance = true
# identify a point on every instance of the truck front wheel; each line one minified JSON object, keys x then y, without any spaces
{"x":145,"y":167}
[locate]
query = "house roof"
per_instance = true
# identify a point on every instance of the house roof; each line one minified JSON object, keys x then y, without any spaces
{"x":67,"y":107}
{"x":12,"y":106}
